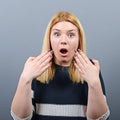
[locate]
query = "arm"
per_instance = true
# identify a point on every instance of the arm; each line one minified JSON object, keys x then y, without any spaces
{"x":34,"y":66}
{"x":22,"y":102}
{"x":97,"y":105}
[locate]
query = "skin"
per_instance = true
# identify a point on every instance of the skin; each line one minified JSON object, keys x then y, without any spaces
{"x":97,"y":105}
{"x":34,"y":66}
{"x":63,"y":35}
{"x":60,"y":37}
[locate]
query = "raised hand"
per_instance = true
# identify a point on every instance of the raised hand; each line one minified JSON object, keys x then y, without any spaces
{"x":89,"y":71}
{"x":35,"y":66}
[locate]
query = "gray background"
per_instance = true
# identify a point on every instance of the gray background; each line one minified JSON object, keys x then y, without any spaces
{"x":22,"y":27}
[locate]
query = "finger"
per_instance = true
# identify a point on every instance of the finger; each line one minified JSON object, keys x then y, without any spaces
{"x":30,"y":59}
{"x":47,"y":57}
{"x":79,"y":61}
{"x":44,"y":67}
{"x":41,"y":55}
{"x":86,"y":59}
{"x":79,"y":68}
{"x":45,"y":61}
{"x":96,"y":63}
{"x":79,"y":58}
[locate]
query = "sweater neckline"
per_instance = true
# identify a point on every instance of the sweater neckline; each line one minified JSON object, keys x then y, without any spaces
{"x":59,"y":67}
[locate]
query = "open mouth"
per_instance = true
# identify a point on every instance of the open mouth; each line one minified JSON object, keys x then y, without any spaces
{"x":63,"y":51}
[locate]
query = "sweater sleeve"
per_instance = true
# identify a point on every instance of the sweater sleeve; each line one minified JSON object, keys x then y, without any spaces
{"x":17,"y":118}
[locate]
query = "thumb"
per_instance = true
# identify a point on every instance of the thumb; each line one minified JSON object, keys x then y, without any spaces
{"x":96,"y":63}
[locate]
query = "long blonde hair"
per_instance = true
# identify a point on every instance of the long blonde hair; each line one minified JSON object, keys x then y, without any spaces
{"x":58,"y":17}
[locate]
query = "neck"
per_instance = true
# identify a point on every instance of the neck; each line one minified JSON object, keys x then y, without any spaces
{"x":63,"y":63}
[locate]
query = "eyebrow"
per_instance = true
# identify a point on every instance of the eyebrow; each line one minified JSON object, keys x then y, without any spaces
{"x":68,"y":30}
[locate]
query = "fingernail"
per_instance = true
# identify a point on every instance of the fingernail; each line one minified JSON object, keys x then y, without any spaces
{"x":75,"y":51}
{"x":51,"y":51}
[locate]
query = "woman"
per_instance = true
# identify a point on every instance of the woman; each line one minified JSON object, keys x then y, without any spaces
{"x":61,"y":83}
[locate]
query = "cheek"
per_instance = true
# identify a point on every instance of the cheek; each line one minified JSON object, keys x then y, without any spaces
{"x":53,"y":44}
{"x":74,"y":45}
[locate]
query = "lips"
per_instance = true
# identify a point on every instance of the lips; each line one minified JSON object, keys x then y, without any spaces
{"x":63,"y":52}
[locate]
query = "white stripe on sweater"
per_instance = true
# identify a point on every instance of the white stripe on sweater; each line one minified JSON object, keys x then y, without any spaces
{"x":61,"y":110}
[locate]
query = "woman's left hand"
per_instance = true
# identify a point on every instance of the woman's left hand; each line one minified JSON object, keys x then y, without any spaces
{"x":89,"y":71}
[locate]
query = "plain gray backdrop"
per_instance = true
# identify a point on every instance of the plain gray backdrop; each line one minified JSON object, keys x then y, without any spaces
{"x":22,"y":27}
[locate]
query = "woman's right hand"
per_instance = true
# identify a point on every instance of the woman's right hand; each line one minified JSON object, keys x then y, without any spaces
{"x":35,"y":66}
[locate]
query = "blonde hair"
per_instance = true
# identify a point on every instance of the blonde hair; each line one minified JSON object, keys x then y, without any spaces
{"x":58,"y":17}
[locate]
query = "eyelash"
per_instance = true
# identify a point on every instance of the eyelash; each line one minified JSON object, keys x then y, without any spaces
{"x":71,"y":34}
{"x":57,"y":34}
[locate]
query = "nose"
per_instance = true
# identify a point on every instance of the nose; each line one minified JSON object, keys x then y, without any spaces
{"x":63,"y":40}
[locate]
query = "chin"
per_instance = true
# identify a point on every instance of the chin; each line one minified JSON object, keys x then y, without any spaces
{"x":63,"y":60}
{"x":66,"y":62}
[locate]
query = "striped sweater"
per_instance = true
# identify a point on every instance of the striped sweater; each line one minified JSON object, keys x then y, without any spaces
{"x":60,"y":99}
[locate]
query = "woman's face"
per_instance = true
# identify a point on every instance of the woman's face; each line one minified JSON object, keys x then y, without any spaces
{"x":64,"y":39}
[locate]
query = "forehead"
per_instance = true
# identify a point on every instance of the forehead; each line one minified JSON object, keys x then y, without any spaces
{"x":64,"y":25}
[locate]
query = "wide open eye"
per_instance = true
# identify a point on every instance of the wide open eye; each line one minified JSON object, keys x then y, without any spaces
{"x":71,"y":35}
{"x":56,"y":34}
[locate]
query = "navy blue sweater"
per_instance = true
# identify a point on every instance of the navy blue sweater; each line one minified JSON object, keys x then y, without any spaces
{"x":60,"y":99}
